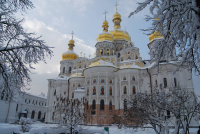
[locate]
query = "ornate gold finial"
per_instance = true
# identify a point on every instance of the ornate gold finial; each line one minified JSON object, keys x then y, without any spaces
{"x":105,"y":14}
{"x":124,"y":45}
{"x":72,"y":35}
{"x":81,"y":54}
{"x":84,"y":54}
{"x":116,"y":6}
{"x":89,"y":56}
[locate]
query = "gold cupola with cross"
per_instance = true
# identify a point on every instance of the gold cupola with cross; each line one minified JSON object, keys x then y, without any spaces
{"x":105,"y":36}
{"x":118,"y":33}
{"x":70,"y":54}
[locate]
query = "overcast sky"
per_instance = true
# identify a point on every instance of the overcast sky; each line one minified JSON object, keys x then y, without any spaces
{"x":55,"y":20}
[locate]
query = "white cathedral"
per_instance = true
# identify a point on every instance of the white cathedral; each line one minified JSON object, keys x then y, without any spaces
{"x":115,"y":73}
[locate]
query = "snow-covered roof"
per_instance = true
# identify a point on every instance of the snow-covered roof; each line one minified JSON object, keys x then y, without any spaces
{"x":101,"y":63}
{"x":80,"y":89}
{"x":61,"y":77}
{"x":69,"y":52}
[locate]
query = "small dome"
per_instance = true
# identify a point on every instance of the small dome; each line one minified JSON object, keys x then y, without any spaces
{"x":71,"y":41}
{"x":116,"y":16}
{"x":105,"y":23}
{"x":105,"y":36}
{"x":155,"y":35}
{"x":119,"y":34}
{"x":69,"y":55}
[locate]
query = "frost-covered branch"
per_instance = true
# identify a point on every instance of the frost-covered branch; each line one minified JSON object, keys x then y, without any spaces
{"x":19,"y":50}
{"x":178,"y":21}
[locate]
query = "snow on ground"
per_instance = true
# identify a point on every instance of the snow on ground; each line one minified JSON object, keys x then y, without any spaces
{"x":6,"y":128}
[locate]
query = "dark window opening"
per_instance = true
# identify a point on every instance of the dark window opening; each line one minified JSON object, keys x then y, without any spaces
{"x":168,"y":114}
{"x":125,"y":105}
{"x":175,"y":82}
{"x":63,"y":69}
{"x":32,"y":114}
{"x":17,"y":107}
{"x":118,"y":55}
{"x":93,"y":107}
{"x":102,"y":105}
{"x":39,"y":115}
{"x":165,"y":82}
{"x":70,"y":69}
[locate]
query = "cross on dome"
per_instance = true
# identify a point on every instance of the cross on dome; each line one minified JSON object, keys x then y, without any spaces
{"x":116,"y":6}
{"x":105,"y":14}
{"x":72,"y":35}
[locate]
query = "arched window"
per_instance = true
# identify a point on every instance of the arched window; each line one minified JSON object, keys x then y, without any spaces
{"x":94,"y":90}
{"x":118,"y":55}
{"x":110,"y":105}
{"x":175,"y":84}
{"x":133,"y":78}
{"x":165,"y":82}
{"x":63,"y":69}
{"x":125,"y":90}
{"x":156,"y":82}
{"x":79,"y":85}
{"x":73,"y":95}
{"x":94,"y":81}
{"x":125,"y":105}
{"x":53,"y":116}
{"x":70,"y":69}
{"x":32,"y":114}
{"x":17,"y":108}
{"x":101,"y":51}
{"x":110,"y":91}
{"x":108,"y":51}
{"x":124,"y":78}
{"x":102,"y":90}
{"x":93,"y":105}
{"x":102,"y":80}
{"x":80,"y":66}
{"x":136,"y":57}
{"x":102,"y":104}
{"x":88,"y":82}
{"x":129,"y":58}
{"x":134,"y":90}
{"x":55,"y":92}
{"x":122,"y":59}
{"x":39,"y":114}
{"x":110,"y":80}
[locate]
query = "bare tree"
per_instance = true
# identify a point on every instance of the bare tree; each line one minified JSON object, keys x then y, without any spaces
{"x":19,"y":50}
{"x":178,"y":21}
{"x":69,"y":113}
{"x":177,"y":106}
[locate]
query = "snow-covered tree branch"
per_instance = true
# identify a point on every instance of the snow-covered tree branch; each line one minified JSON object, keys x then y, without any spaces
{"x":69,"y":113}
{"x":19,"y":50}
{"x":177,"y":107}
{"x":178,"y":21}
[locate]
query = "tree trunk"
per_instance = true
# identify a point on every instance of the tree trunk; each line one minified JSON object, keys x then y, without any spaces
{"x":8,"y":111}
{"x":71,"y":130}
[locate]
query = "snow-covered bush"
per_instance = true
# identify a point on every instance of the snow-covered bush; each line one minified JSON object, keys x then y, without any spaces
{"x":25,"y":123}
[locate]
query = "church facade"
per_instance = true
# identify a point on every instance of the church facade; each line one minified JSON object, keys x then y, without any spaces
{"x":116,"y":73}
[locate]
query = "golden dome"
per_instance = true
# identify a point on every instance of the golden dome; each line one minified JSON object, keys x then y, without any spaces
{"x":116,"y":16}
{"x":155,"y":35}
{"x":105,"y":23}
{"x":69,"y":55}
{"x":71,"y":41}
{"x":105,"y":35}
{"x":120,"y":34}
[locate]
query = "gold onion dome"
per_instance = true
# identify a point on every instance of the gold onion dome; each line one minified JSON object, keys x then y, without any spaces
{"x":70,"y":54}
{"x":105,"y":35}
{"x":155,"y":34}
